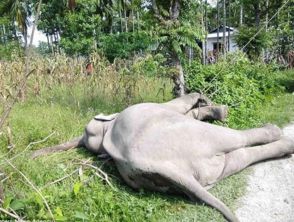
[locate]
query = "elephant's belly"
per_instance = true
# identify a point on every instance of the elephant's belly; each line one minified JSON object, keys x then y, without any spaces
{"x":154,"y":182}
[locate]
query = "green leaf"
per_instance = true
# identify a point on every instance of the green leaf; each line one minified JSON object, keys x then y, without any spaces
{"x":37,"y":199}
{"x":76,"y":188}
{"x":6,"y":203}
{"x":58,"y":211}
{"x":59,"y":215}
{"x":17,"y":204}
{"x":60,"y":218}
{"x":80,"y":215}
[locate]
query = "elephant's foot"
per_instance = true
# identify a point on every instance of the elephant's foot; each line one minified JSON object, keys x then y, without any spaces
{"x":273,"y":132}
{"x":289,"y":145}
{"x":219,"y":112}
{"x":209,"y":113}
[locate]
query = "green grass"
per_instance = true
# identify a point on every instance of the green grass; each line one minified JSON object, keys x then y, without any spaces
{"x":281,"y":109}
{"x":95,"y":200}
{"x":65,"y":109}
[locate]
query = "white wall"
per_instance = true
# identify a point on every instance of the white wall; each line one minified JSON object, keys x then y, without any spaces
{"x":210,"y":41}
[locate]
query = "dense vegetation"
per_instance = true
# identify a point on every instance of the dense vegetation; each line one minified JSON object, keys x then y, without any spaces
{"x":122,"y":29}
{"x":61,"y":99}
{"x":136,"y":48}
{"x":241,"y":84}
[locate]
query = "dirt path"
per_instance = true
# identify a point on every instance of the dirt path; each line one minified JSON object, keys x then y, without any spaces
{"x":270,"y":191}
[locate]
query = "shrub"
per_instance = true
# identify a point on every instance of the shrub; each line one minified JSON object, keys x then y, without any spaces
{"x":151,"y":66}
{"x":254,"y":46}
{"x":236,"y":82}
{"x":123,"y":45}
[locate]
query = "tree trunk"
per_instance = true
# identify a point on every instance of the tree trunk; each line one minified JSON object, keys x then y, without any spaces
{"x":124,"y":8}
{"x":205,"y":29}
{"x":133,"y":20}
{"x":257,"y":13}
{"x":224,"y":28}
{"x":4,"y":34}
{"x":51,"y":40}
{"x":121,"y":21}
{"x":229,"y":33}
{"x":178,"y":79}
{"x":23,"y":90}
{"x":241,"y":14}
{"x":138,"y":21}
{"x":126,"y":20}
{"x":266,"y":29}
{"x":217,"y":35}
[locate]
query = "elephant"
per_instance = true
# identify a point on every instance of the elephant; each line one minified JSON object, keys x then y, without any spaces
{"x":168,"y":147}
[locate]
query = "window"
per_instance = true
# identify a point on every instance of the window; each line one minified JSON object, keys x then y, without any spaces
{"x":220,"y":46}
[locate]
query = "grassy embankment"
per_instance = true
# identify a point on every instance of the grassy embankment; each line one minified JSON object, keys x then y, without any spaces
{"x":57,"y":108}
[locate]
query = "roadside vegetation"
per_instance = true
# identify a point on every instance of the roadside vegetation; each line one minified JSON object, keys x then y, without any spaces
{"x":61,"y":99}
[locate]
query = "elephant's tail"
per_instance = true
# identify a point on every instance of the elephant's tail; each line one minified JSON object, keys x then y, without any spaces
{"x":76,"y":142}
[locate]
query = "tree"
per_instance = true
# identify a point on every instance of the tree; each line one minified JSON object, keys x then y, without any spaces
{"x":254,"y":46}
{"x":173,"y":31}
{"x":19,"y":11}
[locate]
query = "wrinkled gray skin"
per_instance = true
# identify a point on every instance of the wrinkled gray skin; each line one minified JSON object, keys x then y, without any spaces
{"x":164,"y":147}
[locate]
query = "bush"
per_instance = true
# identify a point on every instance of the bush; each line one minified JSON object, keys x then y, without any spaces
{"x":123,"y":45}
{"x":10,"y":50}
{"x":151,"y":66}
{"x":236,"y":82}
{"x":254,"y":46}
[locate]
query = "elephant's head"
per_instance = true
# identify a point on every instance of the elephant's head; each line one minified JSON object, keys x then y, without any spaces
{"x":95,"y":131}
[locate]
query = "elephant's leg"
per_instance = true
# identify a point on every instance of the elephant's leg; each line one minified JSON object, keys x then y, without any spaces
{"x":209,"y":113}
{"x":266,"y":134}
{"x":187,"y":182}
{"x":239,"y":159}
{"x":225,"y":140}
{"x":187,"y":102}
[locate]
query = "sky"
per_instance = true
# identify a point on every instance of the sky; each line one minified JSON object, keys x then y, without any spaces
{"x":38,"y":36}
{"x":212,"y":2}
{"x":41,"y":37}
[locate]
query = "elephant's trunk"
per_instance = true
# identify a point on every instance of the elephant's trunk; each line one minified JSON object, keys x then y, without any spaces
{"x":76,"y":142}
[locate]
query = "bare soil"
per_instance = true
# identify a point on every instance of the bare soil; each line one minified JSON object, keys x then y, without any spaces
{"x":270,"y":191}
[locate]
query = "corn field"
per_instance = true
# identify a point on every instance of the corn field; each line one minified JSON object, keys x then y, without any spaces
{"x":120,"y":82}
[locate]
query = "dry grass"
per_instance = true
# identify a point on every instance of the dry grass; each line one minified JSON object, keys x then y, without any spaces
{"x":120,"y":82}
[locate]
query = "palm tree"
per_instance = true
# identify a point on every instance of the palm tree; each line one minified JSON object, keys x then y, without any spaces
{"x":19,"y":11}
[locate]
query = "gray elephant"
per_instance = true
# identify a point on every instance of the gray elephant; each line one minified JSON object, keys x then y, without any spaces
{"x":165,"y":147}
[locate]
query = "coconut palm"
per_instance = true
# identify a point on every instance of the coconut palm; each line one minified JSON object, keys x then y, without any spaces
{"x":19,"y":11}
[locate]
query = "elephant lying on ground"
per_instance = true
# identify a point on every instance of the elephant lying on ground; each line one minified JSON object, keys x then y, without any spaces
{"x":164,"y":147}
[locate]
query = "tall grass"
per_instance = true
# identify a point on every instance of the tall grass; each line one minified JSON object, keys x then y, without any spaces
{"x":66,"y":78}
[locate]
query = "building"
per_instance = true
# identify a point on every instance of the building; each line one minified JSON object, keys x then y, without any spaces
{"x":212,"y":42}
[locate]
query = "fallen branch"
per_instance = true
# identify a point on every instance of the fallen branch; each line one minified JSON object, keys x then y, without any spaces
{"x":60,"y":179}
{"x":13,"y":212}
{"x":34,"y":188}
{"x":101,"y":174}
{"x":64,"y":177}
{"x":9,"y":107}
{"x":10,"y":214}
{"x":27,"y":147}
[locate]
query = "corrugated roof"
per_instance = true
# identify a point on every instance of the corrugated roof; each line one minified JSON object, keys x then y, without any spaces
{"x":213,"y":33}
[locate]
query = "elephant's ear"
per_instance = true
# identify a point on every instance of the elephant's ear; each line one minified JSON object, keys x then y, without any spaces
{"x":103,"y":117}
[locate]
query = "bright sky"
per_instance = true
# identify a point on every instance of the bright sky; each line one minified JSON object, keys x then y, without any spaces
{"x":38,"y":36}
{"x":212,"y":2}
